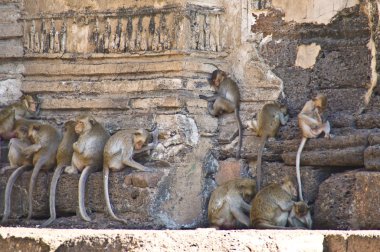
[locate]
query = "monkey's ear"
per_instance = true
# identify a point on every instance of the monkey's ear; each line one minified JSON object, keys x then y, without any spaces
{"x":92,"y":121}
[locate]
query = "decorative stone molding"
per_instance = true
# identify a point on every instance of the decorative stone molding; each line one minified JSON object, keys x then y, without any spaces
{"x":125,"y":31}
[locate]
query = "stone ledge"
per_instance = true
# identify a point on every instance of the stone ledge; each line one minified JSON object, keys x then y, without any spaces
{"x":30,"y":239}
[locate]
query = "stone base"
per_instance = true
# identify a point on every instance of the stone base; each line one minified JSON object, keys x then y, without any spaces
{"x":28,"y":239}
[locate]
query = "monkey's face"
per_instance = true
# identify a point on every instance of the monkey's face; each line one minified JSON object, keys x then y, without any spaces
{"x":139,"y":139}
{"x":33,"y":132}
{"x":320,"y":102}
{"x":79,"y":127}
{"x":216,"y":78}
{"x":290,"y":188}
{"x":301,"y":209}
{"x":69,"y":126}
{"x":21,"y":132}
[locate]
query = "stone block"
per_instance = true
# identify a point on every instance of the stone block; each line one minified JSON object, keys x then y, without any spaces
{"x":228,"y":170}
{"x":164,"y":102}
{"x":368,"y":121}
{"x":348,"y":200}
{"x":9,"y":13}
{"x":10,"y":31}
{"x":11,"y":49}
{"x":372,"y":158}
{"x":311,"y":177}
{"x":85,"y":103}
{"x":347,"y":157}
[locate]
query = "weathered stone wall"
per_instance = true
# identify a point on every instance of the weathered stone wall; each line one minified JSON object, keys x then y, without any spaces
{"x":130,"y":63}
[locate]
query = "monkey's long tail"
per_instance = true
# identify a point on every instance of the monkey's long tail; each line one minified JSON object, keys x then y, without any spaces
{"x":298,"y":161}
{"x":32,"y":183}
{"x":106,"y":172}
{"x":53,"y":187}
{"x":8,"y":190}
{"x":81,"y":192}
{"x":240,"y":125}
{"x":258,"y":163}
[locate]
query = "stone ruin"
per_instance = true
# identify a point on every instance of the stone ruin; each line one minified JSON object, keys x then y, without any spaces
{"x":132,"y":62}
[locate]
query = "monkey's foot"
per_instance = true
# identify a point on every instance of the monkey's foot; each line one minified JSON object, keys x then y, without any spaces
{"x":329,"y":136}
{"x":71,"y":170}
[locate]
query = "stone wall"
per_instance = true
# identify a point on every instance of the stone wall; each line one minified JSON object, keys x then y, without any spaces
{"x":131,"y":64}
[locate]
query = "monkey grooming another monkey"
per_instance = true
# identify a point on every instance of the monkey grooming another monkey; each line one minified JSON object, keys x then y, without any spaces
{"x":230,"y":203}
{"x":16,"y":156}
{"x":118,"y":153}
{"x":64,"y":155}
{"x":300,"y":215}
{"x":88,"y":155}
{"x":311,"y":124}
{"x":269,"y":119}
{"x":271,"y":206}
{"x":45,"y":140}
{"x":226,"y":100}
{"x":24,"y":108}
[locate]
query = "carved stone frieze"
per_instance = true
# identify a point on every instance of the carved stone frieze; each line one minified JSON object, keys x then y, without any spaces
{"x":125,"y":31}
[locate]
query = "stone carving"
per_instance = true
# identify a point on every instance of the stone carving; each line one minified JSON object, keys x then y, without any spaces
{"x":125,"y":31}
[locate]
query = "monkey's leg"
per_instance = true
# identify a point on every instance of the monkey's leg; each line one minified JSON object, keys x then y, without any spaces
{"x":107,"y":197}
{"x":258,"y":163}
{"x":32,"y":183}
{"x":240,"y":216}
{"x":82,"y":189}
{"x":53,"y":186}
{"x":266,"y":225}
{"x":8,"y":190}
{"x":131,"y":163}
{"x":220,"y":106}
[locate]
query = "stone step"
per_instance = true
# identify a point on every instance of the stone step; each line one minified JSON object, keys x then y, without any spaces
{"x":31,"y":239}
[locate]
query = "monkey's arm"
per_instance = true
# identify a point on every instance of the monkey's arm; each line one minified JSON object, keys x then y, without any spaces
{"x":209,"y":98}
{"x":78,"y":148}
{"x":131,"y":163}
{"x":309,"y":120}
{"x":286,"y":206}
{"x":240,"y":216}
{"x":283,"y":119}
{"x":30,"y":150}
{"x":245,"y":206}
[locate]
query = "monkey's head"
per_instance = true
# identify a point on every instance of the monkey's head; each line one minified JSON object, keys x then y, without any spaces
{"x":139,"y":138}
{"x":30,"y":103}
{"x":33,"y":132}
{"x":301,"y":208}
{"x":217,"y":77}
{"x":69,"y":126}
{"x":21,"y":132}
{"x":289,"y":186}
{"x":247,"y":188}
{"x":84,"y":124}
{"x":320,"y":102}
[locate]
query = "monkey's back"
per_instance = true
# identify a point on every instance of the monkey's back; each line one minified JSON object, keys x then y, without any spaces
{"x":93,"y":143}
{"x":65,"y":149}
{"x":265,"y":204}
{"x":268,"y":120}
{"x":115,"y":147}
{"x":228,"y":87}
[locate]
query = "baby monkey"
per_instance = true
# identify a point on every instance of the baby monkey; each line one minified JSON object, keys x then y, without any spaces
{"x":271,"y":206}
{"x":269,"y":119}
{"x":118,"y":154}
{"x":300,"y":215}
{"x":226,"y":100}
{"x":311,"y":124}
{"x":230,"y":203}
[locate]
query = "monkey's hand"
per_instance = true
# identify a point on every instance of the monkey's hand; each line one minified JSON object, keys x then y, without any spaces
{"x":29,"y":151}
{"x":71,"y":170}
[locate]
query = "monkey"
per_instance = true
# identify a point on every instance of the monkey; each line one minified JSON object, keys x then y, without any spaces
{"x":64,"y":155}
{"x":15,"y":155}
{"x":226,"y":100}
{"x":230,"y":203}
{"x":45,"y":140}
{"x":26,"y":107}
{"x":88,"y":154}
{"x":118,"y":153}
{"x":269,"y":119}
{"x":272,"y":204}
{"x":311,"y":124}
{"x":300,"y":215}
